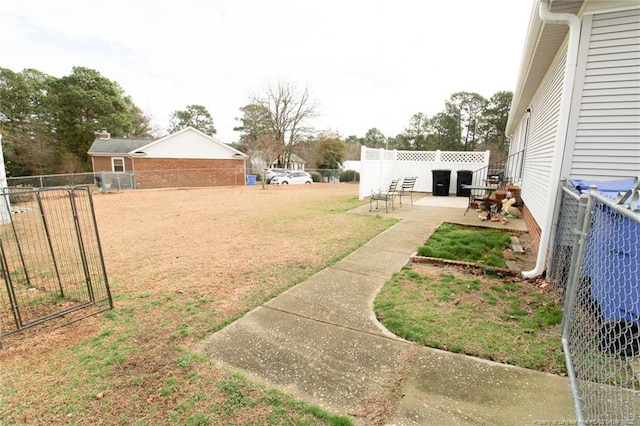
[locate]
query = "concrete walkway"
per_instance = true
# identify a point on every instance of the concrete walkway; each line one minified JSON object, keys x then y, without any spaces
{"x":320,"y":342}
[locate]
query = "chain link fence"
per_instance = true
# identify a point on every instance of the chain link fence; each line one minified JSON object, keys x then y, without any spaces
{"x":146,"y":179}
{"x":176,"y":178}
{"x":565,"y":238}
{"x":50,"y":181}
{"x":595,"y":269}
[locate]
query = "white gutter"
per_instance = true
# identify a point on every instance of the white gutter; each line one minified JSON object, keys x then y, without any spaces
{"x":573,"y":23}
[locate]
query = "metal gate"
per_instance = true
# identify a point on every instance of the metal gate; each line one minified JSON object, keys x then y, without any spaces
{"x":51,"y":262}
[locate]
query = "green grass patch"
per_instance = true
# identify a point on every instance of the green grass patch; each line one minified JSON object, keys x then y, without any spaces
{"x":462,"y":243}
{"x":510,"y":322}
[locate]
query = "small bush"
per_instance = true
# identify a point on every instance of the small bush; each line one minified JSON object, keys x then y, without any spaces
{"x":317,"y":177}
{"x":349,"y":176}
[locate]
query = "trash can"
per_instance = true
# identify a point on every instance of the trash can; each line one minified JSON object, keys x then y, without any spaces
{"x":251,"y":179}
{"x":441,"y":182}
{"x":464,"y":178}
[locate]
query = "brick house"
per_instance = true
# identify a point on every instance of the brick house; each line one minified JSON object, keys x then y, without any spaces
{"x":187,"y":158}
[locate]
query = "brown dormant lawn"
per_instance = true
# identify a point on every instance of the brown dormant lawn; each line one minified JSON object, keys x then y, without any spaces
{"x":181,"y":264}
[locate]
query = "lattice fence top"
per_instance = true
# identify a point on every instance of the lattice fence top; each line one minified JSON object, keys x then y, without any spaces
{"x":462,"y":157}
{"x":416,"y":156}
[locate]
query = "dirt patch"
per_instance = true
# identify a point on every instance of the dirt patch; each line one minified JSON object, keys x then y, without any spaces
{"x":527,"y":260}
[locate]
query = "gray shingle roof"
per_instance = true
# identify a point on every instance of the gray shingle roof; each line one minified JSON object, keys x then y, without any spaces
{"x":117,"y":146}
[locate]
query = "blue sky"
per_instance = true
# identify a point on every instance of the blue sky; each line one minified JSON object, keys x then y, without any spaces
{"x":367,"y":63}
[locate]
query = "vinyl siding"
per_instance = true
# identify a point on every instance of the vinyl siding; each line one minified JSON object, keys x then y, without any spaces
{"x":607,"y":138}
{"x":188,"y":144}
{"x":543,"y":130}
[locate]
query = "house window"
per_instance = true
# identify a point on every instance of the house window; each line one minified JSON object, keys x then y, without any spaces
{"x":117,"y":164}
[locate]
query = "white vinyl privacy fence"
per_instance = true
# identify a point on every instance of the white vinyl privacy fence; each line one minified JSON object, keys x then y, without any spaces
{"x":379,"y":167}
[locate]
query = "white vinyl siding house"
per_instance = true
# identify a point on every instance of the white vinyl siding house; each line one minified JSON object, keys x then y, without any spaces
{"x":540,"y":144}
{"x":607,"y":122}
{"x":189,"y":144}
{"x":576,"y":107}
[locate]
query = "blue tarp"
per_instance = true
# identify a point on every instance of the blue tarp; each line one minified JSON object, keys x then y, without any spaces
{"x":611,"y":258}
{"x":608,"y":188}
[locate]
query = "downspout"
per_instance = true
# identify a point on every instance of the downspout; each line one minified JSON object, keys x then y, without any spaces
{"x":573,"y":23}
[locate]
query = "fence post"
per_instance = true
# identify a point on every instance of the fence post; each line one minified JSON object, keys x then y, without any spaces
{"x":583,"y":224}
{"x":554,"y":221}
{"x":577,"y":256}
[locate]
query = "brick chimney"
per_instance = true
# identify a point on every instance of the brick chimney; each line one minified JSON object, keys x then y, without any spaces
{"x":103,"y":134}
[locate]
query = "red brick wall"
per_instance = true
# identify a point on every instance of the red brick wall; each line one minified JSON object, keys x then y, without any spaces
{"x":181,"y":172}
{"x":103,"y":164}
{"x":532,"y":227}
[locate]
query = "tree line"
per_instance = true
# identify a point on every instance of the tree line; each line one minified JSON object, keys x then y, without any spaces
{"x":274,"y":127}
{"x":49,"y":123}
{"x":469,"y":122}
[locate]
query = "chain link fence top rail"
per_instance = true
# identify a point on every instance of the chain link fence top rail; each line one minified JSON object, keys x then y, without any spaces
{"x":596,"y":265}
{"x":51,"y":261}
{"x":149,"y":179}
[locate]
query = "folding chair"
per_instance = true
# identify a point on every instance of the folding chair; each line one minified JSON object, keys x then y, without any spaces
{"x":407,"y":188}
{"x":386,"y":196}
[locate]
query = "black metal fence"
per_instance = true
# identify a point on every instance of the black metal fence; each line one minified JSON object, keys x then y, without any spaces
{"x":51,"y":265}
{"x":595,"y":269}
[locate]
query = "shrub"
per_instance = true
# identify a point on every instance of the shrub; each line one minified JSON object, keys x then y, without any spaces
{"x":349,"y":176}
{"x":317,"y":177}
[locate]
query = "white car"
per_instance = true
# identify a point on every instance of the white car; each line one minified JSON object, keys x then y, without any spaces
{"x":271,"y":173}
{"x":292,"y":178}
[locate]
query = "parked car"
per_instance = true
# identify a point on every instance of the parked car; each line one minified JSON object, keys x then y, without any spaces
{"x":271,"y":173}
{"x":292,"y":178}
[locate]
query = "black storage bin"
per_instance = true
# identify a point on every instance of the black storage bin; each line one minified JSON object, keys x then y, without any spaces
{"x":464,"y":178}
{"x":441,"y":182}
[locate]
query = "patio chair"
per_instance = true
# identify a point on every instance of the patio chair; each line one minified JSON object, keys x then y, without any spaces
{"x":406,"y":189}
{"x":386,"y":196}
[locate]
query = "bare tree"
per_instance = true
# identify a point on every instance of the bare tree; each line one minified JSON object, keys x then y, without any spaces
{"x":265,"y":149}
{"x":286,"y":112}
